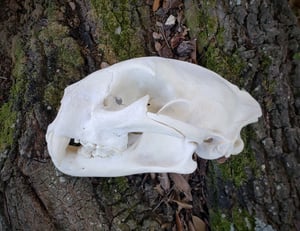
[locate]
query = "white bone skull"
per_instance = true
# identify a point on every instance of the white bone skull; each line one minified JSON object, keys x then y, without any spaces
{"x":148,"y":115}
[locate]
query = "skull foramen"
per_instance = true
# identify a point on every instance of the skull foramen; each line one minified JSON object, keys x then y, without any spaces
{"x":148,"y":115}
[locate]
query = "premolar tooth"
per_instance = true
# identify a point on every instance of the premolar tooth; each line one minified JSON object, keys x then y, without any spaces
{"x":102,"y":151}
{"x":87,"y":149}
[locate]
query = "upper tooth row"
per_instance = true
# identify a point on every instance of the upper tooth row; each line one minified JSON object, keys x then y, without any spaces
{"x":93,"y":150}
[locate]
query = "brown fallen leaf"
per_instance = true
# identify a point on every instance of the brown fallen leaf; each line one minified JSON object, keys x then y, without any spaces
{"x":178,"y":222}
{"x":164,"y":181}
{"x":156,"y":5}
{"x":166,"y":226}
{"x":198,"y":224}
{"x":159,"y":189}
{"x":157,"y":46}
{"x":180,"y":17}
{"x":176,"y":40}
{"x":182,"y":205}
{"x":182,"y":185}
{"x":166,"y":52}
{"x":152,"y":175}
{"x":191,"y":226}
{"x":157,"y":36}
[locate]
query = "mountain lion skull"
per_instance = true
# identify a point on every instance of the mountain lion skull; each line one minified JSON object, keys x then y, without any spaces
{"x":148,"y":115}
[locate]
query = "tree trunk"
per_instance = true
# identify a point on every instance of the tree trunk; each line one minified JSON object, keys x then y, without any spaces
{"x":256,"y":45}
{"x":47,"y":45}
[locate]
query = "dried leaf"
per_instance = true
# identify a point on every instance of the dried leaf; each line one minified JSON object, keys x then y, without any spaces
{"x":157,"y":36}
{"x":191,"y":226}
{"x":180,"y":16}
{"x":156,"y":5}
{"x":178,"y":222}
{"x":159,"y":24}
{"x":176,"y":40}
{"x":182,"y":185}
{"x":166,"y":52}
{"x":183,"y":205}
{"x":159,"y":189}
{"x":185,"y":31}
{"x":166,"y":226}
{"x":164,"y":181}
{"x":185,"y":48}
{"x":174,"y":228}
{"x":157,"y":46}
{"x":152,"y":175}
{"x":171,"y":20}
{"x":198,"y":223}
{"x":72,"y":5}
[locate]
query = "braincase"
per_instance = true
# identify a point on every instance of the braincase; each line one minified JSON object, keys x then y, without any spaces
{"x":129,"y":85}
{"x":209,"y":101}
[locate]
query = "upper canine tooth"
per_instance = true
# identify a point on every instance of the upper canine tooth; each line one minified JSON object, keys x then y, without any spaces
{"x":74,"y":142}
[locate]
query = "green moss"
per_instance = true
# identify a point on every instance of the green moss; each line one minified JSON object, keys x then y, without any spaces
{"x":50,"y":10}
{"x":234,"y":169}
{"x":120,"y":30}
{"x":230,"y":67}
{"x":204,"y":25}
{"x":8,"y":111}
{"x":51,"y":36}
{"x":242,"y":220}
{"x":265,"y":62}
{"x":237,"y":219}
{"x":69,"y":56}
{"x":7,"y":122}
{"x":18,"y":57}
{"x":201,"y":21}
{"x":117,"y":186}
{"x":296,"y":56}
{"x":235,"y":172}
{"x":66,"y":61}
{"x":219,"y":221}
{"x":53,"y":95}
{"x":269,"y":86}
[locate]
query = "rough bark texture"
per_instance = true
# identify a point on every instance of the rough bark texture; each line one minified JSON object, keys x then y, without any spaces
{"x":46,"y":45}
{"x":263,"y":181}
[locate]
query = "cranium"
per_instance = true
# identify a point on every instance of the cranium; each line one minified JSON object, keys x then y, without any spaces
{"x":148,"y":115}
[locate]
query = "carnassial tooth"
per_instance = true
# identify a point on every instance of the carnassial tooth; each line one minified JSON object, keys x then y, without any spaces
{"x":87,"y":149}
{"x":104,"y":151}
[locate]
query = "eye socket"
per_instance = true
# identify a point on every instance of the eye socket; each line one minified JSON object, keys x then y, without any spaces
{"x":208,"y":140}
{"x":112,"y":102}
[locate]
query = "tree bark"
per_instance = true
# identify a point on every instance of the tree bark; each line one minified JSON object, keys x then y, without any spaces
{"x":259,"y":51}
{"x":47,"y":45}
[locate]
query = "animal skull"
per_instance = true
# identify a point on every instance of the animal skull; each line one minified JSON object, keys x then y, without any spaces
{"x":148,"y":115}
